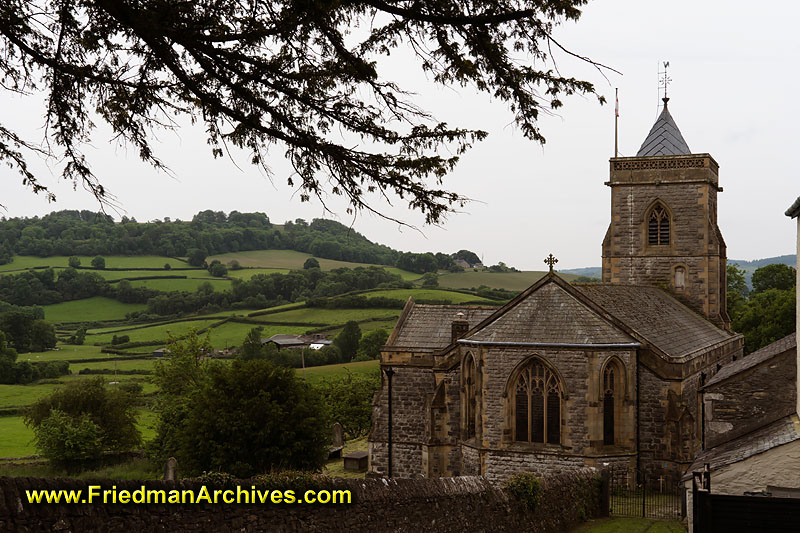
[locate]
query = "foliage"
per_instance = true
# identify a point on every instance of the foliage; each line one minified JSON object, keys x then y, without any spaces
{"x":74,"y":262}
{"x":737,"y":290}
{"x":78,"y":337}
{"x":347,"y":340}
{"x":43,"y":336}
{"x":110,"y":410}
{"x":251,"y":347}
{"x":526,"y":488}
{"x":349,"y":399}
{"x":311,"y":262}
{"x":99,"y":263}
{"x":776,"y":276}
{"x":288,"y":74}
{"x":167,"y":266}
{"x":769,"y":315}
{"x":25,"y":333}
{"x":470,"y":257}
{"x":430,"y":280}
{"x":234,"y":265}
{"x":68,"y":441}
{"x":120,"y":339}
{"x":369,"y":347}
{"x":246,"y":418}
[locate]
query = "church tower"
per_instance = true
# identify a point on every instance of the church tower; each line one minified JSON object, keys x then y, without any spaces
{"x":663,"y":228}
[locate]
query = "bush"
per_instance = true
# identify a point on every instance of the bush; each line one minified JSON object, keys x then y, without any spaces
{"x":70,"y":442}
{"x":167,"y":266}
{"x":111,"y":411}
{"x":347,"y":340}
{"x":369,"y":347}
{"x":74,"y":262}
{"x":99,"y":263}
{"x":122,"y":339}
{"x":310,"y":263}
{"x":526,"y":488}
{"x":349,"y":399}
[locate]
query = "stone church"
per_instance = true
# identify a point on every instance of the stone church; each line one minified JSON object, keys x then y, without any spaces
{"x":571,"y":375}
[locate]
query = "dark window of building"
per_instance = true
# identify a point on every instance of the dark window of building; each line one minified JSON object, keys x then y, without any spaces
{"x":608,"y":405}
{"x":537,"y":405}
{"x":470,"y":395}
{"x":658,"y":226}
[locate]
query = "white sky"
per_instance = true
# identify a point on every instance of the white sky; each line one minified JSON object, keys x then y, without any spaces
{"x":733,"y":95}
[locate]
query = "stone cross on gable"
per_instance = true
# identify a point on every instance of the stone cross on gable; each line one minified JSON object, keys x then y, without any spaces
{"x":551,"y":260}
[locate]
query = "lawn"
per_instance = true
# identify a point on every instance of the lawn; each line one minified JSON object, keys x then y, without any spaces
{"x":328,"y":316}
{"x":335,"y":467}
{"x":16,"y":441}
{"x":112,"y":261}
{"x":512,"y":281}
{"x":188,"y":284}
{"x":93,"y":309}
{"x":629,"y":525}
{"x":428,"y":294}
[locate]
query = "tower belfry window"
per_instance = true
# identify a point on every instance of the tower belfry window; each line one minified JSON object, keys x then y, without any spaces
{"x":658,"y":226}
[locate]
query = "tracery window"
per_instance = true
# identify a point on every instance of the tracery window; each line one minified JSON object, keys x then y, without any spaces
{"x":658,"y":226}
{"x":537,"y":405}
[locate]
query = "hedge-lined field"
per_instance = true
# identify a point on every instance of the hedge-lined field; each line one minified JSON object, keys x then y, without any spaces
{"x":428,"y":294}
{"x":189,"y":284}
{"x":112,"y":261}
{"x":512,"y":281}
{"x":314,"y":315}
{"x":93,"y":309}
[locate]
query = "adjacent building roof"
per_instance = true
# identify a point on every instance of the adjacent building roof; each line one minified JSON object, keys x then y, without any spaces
{"x":430,"y":326}
{"x":657,"y":317}
{"x":778,"y":433}
{"x":296,"y":340}
{"x":664,"y":138}
{"x":778,"y":347}
{"x":794,"y":210}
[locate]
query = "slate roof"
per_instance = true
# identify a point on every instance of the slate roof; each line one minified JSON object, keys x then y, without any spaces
{"x":769,"y":351}
{"x":778,"y":433}
{"x":664,"y":138}
{"x":430,"y":326}
{"x":652,"y":313}
{"x":794,"y":210}
{"x":551,"y":314}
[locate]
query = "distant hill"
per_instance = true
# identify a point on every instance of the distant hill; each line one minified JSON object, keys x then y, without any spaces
{"x":748,"y":266}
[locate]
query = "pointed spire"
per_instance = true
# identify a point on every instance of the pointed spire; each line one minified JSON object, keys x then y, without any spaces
{"x":664,"y":138}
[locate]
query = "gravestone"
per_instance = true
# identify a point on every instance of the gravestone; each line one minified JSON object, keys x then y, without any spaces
{"x":337,"y":441}
{"x":171,"y":469}
{"x":356,"y":461}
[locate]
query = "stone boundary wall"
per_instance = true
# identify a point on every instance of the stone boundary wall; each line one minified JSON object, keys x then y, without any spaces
{"x":404,"y":505}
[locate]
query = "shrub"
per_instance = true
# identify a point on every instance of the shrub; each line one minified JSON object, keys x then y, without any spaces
{"x":67,"y":441}
{"x":99,"y":263}
{"x":526,"y":488}
{"x":74,"y":262}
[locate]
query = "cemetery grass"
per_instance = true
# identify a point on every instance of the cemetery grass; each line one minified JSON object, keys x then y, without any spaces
{"x":629,"y":525}
{"x":335,"y":467}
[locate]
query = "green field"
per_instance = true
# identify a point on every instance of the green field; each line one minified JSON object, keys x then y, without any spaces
{"x":154,"y":333}
{"x":512,"y":281}
{"x":16,"y":441}
{"x":233,"y":333}
{"x":132,"y":364}
{"x":93,"y":309}
{"x":428,"y":294}
{"x":328,"y":316}
{"x":64,"y":352}
{"x":188,"y":284}
{"x":247,"y":273}
{"x":112,"y":261}
{"x":318,"y":373}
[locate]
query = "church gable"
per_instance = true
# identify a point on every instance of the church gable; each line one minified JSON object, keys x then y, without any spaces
{"x":549,"y":314}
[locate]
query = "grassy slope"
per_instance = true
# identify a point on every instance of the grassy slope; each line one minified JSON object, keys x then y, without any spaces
{"x":139,"y":261}
{"x":512,"y":281}
{"x":189,"y":284}
{"x":318,"y":373}
{"x":427,"y":294}
{"x":328,"y":316}
{"x":89,"y":309}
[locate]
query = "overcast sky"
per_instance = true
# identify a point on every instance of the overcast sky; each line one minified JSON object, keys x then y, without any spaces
{"x":733,"y":94}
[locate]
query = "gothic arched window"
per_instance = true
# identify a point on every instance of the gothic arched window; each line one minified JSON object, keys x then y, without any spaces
{"x":658,"y":225}
{"x":537,"y":405}
{"x":470,"y":395}
{"x":613,"y":393}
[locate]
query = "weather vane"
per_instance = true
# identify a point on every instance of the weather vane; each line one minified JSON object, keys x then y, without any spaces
{"x":550,"y":261}
{"x":663,"y":81}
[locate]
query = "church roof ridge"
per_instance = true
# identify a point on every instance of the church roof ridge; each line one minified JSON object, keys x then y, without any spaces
{"x":664,"y":138}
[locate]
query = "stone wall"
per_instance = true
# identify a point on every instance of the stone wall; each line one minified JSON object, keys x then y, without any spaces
{"x":405,"y":505}
{"x":751,"y":399}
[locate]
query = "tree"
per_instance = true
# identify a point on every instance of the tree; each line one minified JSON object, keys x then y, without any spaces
{"x":311,"y":262}
{"x":275,"y":72}
{"x":74,"y":262}
{"x":251,"y":345}
{"x":349,"y":399}
{"x":99,"y":263}
{"x":369,"y":347}
{"x":111,"y":411}
{"x":347,"y":340}
{"x":737,"y":291}
{"x":43,"y":336}
{"x":68,"y":442}
{"x":430,"y":280}
{"x":777,"y":276}
{"x":196,"y":256}
{"x":768,"y":316}
{"x":167,"y":266}
{"x":217,"y":269}
{"x":470,"y":257}
{"x":246,"y":418}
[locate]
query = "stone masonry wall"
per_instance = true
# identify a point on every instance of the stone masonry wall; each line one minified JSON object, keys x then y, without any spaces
{"x":750,"y":399}
{"x":442,"y":505}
